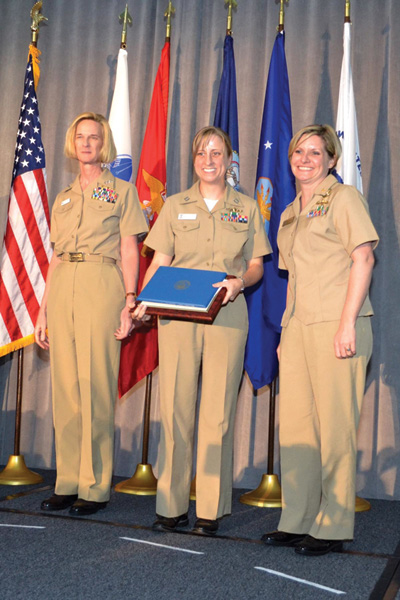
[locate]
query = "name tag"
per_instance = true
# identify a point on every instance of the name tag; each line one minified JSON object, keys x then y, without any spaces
{"x":187,"y":217}
{"x":65,"y":201}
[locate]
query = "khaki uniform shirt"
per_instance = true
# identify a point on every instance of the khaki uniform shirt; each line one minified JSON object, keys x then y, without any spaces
{"x":315,"y":246}
{"x":220,"y":240}
{"x":94,"y":220}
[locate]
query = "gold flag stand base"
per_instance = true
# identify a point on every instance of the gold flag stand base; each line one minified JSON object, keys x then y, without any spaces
{"x":142,"y":482}
{"x":362,"y":505}
{"x":267,"y":494}
{"x":17,"y":473}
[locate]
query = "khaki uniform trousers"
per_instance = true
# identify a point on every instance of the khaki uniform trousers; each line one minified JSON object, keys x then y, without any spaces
{"x":320,"y":402}
{"x":218,"y":350}
{"x":84,"y":307}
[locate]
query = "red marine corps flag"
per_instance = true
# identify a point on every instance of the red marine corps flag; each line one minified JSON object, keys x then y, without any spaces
{"x":26,"y":250}
{"x":139,"y":353}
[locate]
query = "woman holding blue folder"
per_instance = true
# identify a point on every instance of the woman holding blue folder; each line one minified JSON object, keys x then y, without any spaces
{"x":213,"y":227}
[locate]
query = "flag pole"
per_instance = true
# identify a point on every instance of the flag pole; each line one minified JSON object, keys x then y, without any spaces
{"x":232,"y":5}
{"x":126,"y":19}
{"x":281,"y":25}
{"x":347,"y":11}
{"x":143,"y":482}
{"x":170,"y":10}
{"x":16,"y":472}
{"x":268,"y":493}
{"x":362,"y":504}
{"x":224,"y":119}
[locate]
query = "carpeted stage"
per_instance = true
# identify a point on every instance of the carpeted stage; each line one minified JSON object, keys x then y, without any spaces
{"x":115,"y":554}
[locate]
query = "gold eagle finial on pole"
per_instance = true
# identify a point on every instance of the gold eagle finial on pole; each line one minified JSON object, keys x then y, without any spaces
{"x":126,"y":19}
{"x":37,"y":18}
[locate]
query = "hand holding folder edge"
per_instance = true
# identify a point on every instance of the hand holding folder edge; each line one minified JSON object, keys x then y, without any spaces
{"x":184,"y":294}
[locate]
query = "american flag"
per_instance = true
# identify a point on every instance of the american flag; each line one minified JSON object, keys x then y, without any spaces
{"x":26,"y":250}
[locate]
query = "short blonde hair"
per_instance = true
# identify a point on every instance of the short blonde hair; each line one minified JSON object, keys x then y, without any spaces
{"x":108,"y":152}
{"x":203,"y":136}
{"x":326,"y":133}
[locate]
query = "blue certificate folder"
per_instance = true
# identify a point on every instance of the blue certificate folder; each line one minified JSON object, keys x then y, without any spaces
{"x":181,"y":289}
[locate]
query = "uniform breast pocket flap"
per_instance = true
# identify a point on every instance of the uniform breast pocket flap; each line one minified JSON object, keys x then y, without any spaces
{"x":100,"y":205}
{"x":186,"y":226}
{"x":235,"y":227}
{"x":63,"y":207}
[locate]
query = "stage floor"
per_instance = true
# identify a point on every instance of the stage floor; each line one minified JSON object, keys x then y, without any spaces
{"x":115,"y":554}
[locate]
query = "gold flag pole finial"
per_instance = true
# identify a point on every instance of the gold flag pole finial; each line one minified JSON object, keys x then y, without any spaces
{"x":126,"y":19}
{"x":170,"y":10}
{"x":232,"y":5}
{"x":347,"y":11}
{"x":281,"y":25}
{"x":37,"y":18}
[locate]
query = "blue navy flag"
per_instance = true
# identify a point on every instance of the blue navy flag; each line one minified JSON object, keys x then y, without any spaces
{"x":275,"y":189}
{"x":226,"y":113}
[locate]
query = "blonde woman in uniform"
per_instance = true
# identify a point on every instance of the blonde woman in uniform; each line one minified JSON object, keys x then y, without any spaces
{"x":213,"y":227}
{"x":95,"y":223}
{"x":326,"y":240}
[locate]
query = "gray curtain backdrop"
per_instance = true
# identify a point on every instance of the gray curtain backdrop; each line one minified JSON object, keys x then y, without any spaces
{"x":79,"y":50}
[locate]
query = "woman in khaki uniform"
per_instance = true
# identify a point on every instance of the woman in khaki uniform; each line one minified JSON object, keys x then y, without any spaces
{"x":326,"y":242}
{"x":213,"y":227}
{"x":95,"y":223}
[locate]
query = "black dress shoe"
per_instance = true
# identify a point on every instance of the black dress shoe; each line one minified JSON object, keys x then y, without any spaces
{"x":314,"y":547}
{"x":170,"y":523}
{"x":58,"y":502}
{"x":282,"y":538}
{"x":82,"y":508}
{"x":205,"y":527}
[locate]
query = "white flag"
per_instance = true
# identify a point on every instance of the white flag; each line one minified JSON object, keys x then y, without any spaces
{"x":349,"y":165}
{"x":120,"y":121}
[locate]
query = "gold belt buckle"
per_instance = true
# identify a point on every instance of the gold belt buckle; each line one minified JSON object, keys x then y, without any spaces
{"x":76,"y":257}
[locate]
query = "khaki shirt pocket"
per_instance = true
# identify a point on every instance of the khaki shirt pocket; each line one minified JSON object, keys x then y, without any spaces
{"x":103,"y":218}
{"x":101,"y":206}
{"x":186,"y":235}
{"x":233,"y":237}
{"x":63,"y":221}
{"x":63,"y":208}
